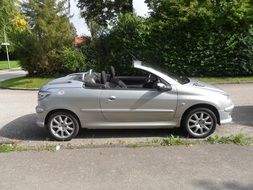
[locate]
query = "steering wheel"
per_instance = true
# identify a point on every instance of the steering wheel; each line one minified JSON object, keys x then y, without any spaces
{"x":148,"y":79}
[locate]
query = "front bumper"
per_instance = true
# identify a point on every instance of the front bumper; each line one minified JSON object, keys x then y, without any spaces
{"x":225,"y":115}
{"x":40,"y":116}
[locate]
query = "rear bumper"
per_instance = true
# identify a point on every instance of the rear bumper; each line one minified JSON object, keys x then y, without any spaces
{"x":225,"y":115}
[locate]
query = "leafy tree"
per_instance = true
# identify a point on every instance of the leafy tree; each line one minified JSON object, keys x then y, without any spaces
{"x":192,"y":37}
{"x":201,"y":37}
{"x":11,"y":20}
{"x":98,"y":13}
{"x":125,"y":42}
{"x":50,"y":32}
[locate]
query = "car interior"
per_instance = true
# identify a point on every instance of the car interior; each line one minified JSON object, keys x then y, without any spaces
{"x":111,"y":80}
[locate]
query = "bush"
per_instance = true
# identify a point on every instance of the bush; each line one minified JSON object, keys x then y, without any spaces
{"x":73,"y":60}
{"x":194,"y":38}
{"x":49,"y":33}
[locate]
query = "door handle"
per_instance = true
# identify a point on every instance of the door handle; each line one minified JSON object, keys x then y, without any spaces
{"x":111,"y":98}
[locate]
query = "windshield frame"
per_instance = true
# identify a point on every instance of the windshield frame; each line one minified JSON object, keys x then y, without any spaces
{"x":169,"y":77}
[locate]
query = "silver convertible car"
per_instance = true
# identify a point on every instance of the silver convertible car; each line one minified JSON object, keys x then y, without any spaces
{"x":155,"y":99}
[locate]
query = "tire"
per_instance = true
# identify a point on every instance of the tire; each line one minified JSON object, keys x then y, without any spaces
{"x":199,"y":122}
{"x":63,"y":126}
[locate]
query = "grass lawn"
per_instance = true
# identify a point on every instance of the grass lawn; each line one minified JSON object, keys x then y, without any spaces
{"x":26,"y":82}
{"x":13,"y":64}
{"x":215,"y":80}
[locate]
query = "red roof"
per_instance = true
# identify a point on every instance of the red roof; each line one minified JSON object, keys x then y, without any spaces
{"x":79,"y":40}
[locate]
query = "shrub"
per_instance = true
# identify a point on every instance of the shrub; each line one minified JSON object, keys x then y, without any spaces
{"x":73,"y":60}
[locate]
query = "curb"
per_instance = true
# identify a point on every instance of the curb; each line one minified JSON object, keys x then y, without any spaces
{"x":15,"y":88}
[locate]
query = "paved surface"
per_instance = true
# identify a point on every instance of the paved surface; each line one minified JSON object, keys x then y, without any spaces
{"x":8,"y":74}
{"x":18,"y":120}
{"x":207,"y":167}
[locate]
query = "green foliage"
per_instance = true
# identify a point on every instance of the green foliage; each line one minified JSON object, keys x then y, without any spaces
{"x":239,"y":139}
{"x":103,"y":12}
{"x":11,"y":147}
{"x":4,"y":148}
{"x":13,"y":64}
{"x":73,"y":60}
{"x":117,"y":48}
{"x":195,"y":38}
{"x":8,"y":12}
{"x":210,"y":38}
{"x":172,"y":140}
{"x":50,"y":32}
{"x":26,"y":82}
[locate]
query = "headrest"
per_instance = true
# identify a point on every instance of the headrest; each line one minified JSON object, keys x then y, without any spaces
{"x":103,"y":77}
{"x":112,"y":71}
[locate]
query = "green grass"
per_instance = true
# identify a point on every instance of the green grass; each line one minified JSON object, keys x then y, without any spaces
{"x":13,"y":64}
{"x":172,"y":141}
{"x":6,"y":148}
{"x":225,"y":79}
{"x":239,"y":139}
{"x":26,"y":82}
{"x":14,"y":147}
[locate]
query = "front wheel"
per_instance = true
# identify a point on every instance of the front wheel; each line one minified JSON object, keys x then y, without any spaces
{"x":200,"y":122}
{"x":63,"y":126}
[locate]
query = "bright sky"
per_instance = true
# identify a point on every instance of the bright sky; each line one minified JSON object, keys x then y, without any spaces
{"x":139,"y":6}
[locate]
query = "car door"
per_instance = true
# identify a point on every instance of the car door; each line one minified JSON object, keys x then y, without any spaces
{"x":138,"y":105}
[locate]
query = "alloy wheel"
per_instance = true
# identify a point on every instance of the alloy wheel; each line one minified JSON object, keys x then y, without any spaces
{"x":62,"y":126}
{"x":200,"y":123}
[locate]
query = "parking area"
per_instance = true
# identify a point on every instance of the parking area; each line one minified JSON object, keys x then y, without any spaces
{"x":18,"y":120}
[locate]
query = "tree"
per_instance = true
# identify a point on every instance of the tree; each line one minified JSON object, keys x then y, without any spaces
{"x":11,"y":20}
{"x":101,"y":12}
{"x":201,"y":37}
{"x":50,"y":33}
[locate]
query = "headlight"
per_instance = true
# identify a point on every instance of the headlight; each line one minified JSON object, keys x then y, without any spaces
{"x":43,"y":94}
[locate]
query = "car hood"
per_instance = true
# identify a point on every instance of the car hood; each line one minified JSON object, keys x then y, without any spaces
{"x":202,"y":85}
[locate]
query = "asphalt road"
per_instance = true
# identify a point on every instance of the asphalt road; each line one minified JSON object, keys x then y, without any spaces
{"x":197,"y":167}
{"x":207,"y":167}
{"x":8,"y":74}
{"x":17,"y":120}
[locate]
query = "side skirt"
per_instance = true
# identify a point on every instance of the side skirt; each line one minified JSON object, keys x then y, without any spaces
{"x":132,"y":125}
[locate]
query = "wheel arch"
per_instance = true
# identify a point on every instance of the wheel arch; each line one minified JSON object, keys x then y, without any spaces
{"x":208,"y":106}
{"x":61,"y":110}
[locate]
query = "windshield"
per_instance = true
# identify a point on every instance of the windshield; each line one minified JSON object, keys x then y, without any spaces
{"x":179,"y":78}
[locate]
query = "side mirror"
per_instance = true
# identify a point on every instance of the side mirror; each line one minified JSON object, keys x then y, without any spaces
{"x":163,"y":88}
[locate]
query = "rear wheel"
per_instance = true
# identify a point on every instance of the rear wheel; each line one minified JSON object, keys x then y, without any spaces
{"x":63,"y":126}
{"x":200,"y":122}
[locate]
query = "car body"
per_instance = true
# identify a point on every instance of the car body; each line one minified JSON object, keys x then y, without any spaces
{"x":157,"y":100}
